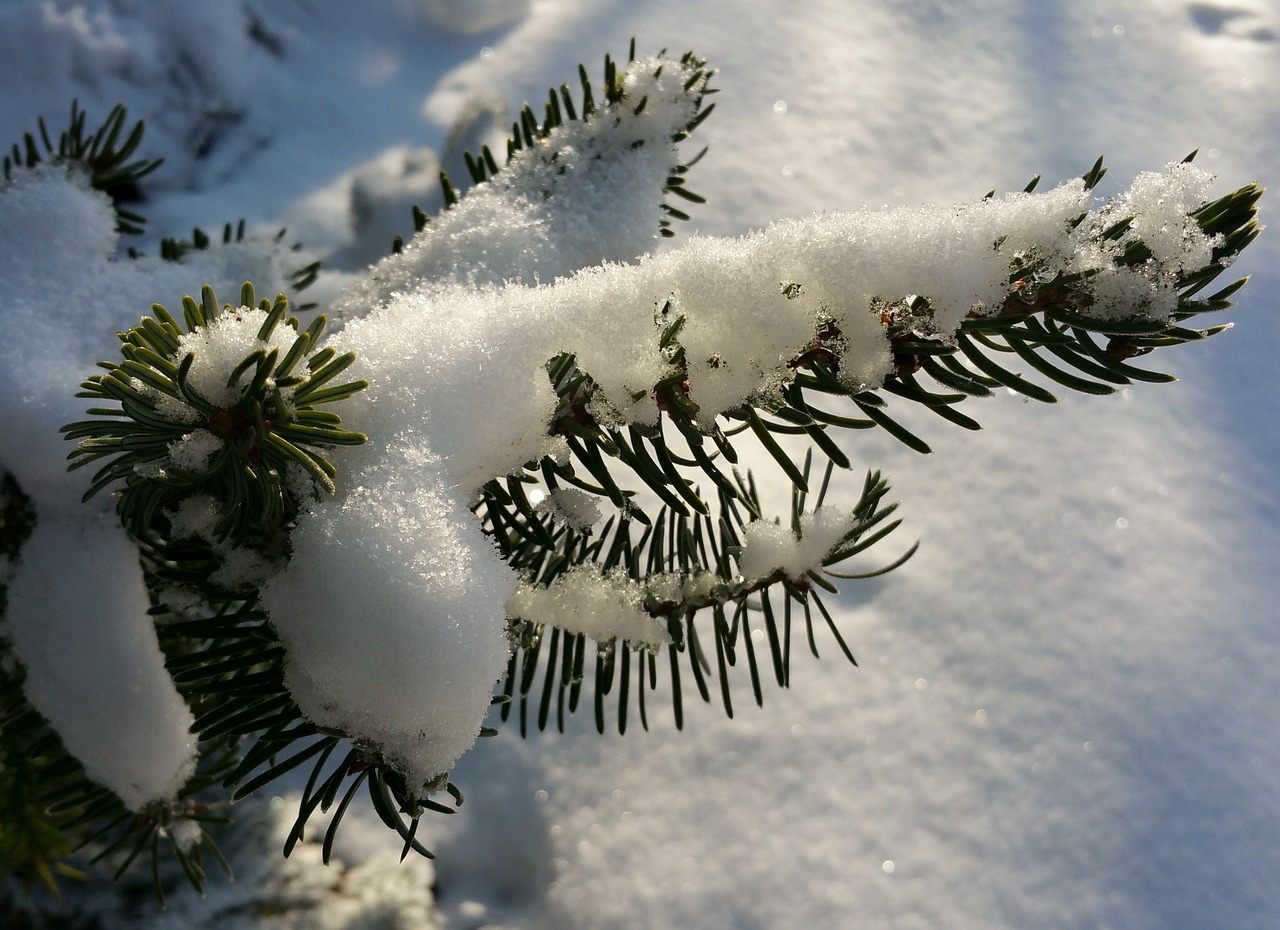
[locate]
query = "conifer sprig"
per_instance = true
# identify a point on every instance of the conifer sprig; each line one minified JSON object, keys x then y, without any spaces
{"x":102,"y":153}
{"x":1044,"y":325}
{"x":257,"y":446}
{"x":688,"y":566}
{"x":528,"y":131}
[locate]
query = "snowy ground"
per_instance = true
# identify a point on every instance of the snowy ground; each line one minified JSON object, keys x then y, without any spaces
{"x":1065,"y":714}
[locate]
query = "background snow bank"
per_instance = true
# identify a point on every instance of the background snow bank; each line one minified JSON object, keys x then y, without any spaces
{"x":1123,"y":768}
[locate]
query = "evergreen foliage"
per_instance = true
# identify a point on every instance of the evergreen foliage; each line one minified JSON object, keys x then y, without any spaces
{"x":99,"y":153}
{"x":264,"y":437}
{"x":678,"y":508}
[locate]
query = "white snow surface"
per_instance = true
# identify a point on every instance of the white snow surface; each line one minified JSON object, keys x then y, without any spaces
{"x":1064,"y":714}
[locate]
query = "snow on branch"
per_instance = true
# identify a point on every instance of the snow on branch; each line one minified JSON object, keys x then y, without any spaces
{"x":604,"y":606}
{"x":767,"y":546}
{"x":584,"y":194}
{"x":459,"y":394}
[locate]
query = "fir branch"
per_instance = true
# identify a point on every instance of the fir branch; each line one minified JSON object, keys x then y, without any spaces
{"x":1048,"y":324}
{"x":686,"y":573}
{"x":1047,"y":321}
{"x":249,"y":438}
{"x":528,"y":132}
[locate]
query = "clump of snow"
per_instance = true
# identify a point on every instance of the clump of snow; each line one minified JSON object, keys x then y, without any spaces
{"x":740,"y":329}
{"x":94,"y":668}
{"x":577,"y":508}
{"x":240,"y":568}
{"x":1161,"y":204}
{"x":58,"y":236}
{"x":957,"y":257}
{"x":604,"y":605}
{"x":186,"y":834}
{"x":218,"y":347}
{"x":680,"y":586}
{"x":1116,"y":291}
{"x":768,"y":547}
{"x":391,"y":611}
{"x":584,"y":195}
{"x":195,"y":516}
{"x":460,"y":377}
{"x":195,"y":450}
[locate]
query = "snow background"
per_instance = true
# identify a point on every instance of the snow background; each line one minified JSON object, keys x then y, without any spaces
{"x":1065,"y":714}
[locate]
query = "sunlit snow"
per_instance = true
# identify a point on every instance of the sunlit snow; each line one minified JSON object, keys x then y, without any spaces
{"x":1064,"y":714}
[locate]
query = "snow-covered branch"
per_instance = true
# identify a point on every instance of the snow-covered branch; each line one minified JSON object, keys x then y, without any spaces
{"x":395,"y":605}
{"x":459,"y":394}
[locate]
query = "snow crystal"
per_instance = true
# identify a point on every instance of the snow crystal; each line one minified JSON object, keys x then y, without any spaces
{"x":604,"y":606}
{"x":768,"y":546}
